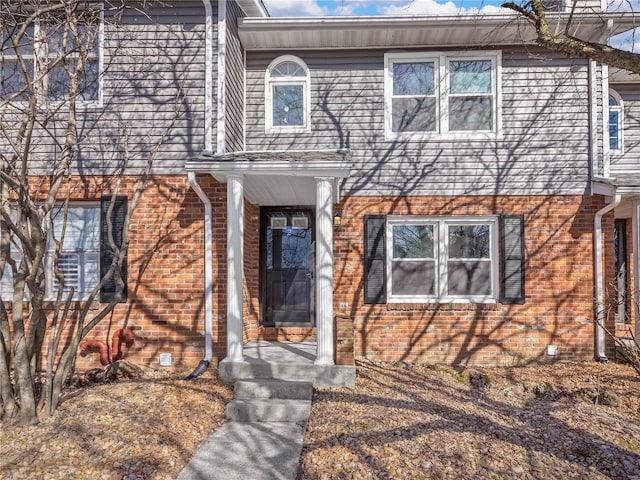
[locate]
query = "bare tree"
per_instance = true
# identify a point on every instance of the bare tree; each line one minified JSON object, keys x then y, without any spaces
{"x":48,"y":67}
{"x":563,"y":41}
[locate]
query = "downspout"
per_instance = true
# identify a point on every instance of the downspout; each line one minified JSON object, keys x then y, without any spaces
{"x":599,"y":280}
{"x":208,"y":231}
{"x":221,"y":134}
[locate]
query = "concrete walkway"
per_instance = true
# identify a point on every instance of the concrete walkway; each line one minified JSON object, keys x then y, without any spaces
{"x":248,"y":451}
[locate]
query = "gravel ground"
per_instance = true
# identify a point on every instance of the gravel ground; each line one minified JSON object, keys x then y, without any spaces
{"x":398,"y":422}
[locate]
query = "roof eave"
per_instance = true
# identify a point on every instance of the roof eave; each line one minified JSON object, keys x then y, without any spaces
{"x":253,"y":8}
{"x":401,"y":31}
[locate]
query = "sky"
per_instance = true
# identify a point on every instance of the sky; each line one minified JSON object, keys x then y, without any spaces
{"x":298,"y":8}
{"x":307,"y":8}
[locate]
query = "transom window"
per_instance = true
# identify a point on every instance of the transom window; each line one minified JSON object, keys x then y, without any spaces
{"x":442,"y":94}
{"x":616,"y":122}
{"x":442,"y":259}
{"x":287,"y":95}
{"x":42,"y":50}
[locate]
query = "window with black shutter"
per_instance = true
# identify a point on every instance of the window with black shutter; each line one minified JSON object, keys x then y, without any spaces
{"x":116,"y":220}
{"x":513,"y":258}
{"x":375,"y":276}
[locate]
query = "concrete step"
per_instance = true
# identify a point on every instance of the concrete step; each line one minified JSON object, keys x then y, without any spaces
{"x":271,"y":388}
{"x":268,"y":410}
{"x":320,"y":375}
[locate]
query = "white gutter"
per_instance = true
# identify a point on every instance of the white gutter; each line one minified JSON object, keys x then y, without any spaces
{"x":222,"y":71}
{"x":208,"y":267}
{"x":208,"y":77}
{"x":208,"y":231}
{"x":593,"y":120}
{"x":599,"y":277}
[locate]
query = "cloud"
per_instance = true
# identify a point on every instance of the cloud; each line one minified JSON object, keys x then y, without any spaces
{"x":431,"y":7}
{"x":295,"y":8}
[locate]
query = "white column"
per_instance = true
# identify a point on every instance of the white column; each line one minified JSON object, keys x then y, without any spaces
{"x":635,"y":226}
{"x":324,"y":270}
{"x":235,"y":268}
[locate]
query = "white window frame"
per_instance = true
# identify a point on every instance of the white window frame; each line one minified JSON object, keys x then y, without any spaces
{"x":270,"y":82}
{"x":442,"y":89}
{"x":441,"y":247}
{"x":40,"y":50}
{"x":620,"y":109}
{"x":50,"y":292}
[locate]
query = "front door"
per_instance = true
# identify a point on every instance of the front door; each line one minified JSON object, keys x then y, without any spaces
{"x":287,"y":266}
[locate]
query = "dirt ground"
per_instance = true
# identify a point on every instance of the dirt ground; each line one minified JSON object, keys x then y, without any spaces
{"x":566,"y":420}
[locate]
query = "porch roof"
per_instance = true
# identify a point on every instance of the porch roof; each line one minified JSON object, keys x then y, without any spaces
{"x":277,"y":177}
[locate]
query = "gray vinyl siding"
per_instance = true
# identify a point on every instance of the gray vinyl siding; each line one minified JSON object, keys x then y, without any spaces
{"x":153,"y":65}
{"x":234,"y":104}
{"x":629,"y":161}
{"x":544,"y":148}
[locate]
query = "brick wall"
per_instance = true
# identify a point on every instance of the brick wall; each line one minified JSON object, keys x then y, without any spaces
{"x":559,"y":286}
{"x":166,"y":281}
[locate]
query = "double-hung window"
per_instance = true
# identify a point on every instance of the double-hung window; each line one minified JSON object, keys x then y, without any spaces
{"x":17,"y":62}
{"x":287,"y":95}
{"x":79,"y":260}
{"x":442,"y":259}
{"x":440,"y":95}
{"x":47,"y":54}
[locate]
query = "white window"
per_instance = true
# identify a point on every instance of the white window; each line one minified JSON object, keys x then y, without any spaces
{"x":287,"y":95}
{"x":41,"y":51}
{"x":442,"y":259}
{"x":616,"y":122}
{"x":440,"y":95}
{"x":79,"y":259}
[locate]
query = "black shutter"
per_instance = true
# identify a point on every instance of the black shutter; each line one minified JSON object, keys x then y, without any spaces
{"x":512,"y":239}
{"x":375,"y":276}
{"x":118,"y":214}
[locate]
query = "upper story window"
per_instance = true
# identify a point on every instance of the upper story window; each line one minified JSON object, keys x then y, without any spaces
{"x":287,"y":95}
{"x":439,"y":95}
{"x":47,"y":55}
{"x":616,"y":122}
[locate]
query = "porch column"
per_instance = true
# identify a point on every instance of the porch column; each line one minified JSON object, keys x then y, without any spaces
{"x":635,"y":228}
{"x":235,"y":267}
{"x":324,"y":270}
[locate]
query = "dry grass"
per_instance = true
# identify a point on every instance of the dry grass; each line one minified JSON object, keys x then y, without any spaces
{"x":398,"y":422}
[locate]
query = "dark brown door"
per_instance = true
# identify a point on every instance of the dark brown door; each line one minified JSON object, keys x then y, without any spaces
{"x":287,"y":266}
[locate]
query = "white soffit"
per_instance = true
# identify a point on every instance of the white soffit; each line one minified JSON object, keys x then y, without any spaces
{"x":253,"y":8}
{"x":432,"y":31}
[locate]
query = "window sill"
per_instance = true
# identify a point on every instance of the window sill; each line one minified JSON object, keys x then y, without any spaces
{"x":276,"y":130}
{"x":453,"y":306}
{"x":438,"y":137}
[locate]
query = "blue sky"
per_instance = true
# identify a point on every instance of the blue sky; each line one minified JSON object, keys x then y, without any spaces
{"x":377,"y":7}
{"x":298,"y":8}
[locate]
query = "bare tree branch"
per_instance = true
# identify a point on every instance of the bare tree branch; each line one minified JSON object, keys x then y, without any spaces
{"x":569,"y":45}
